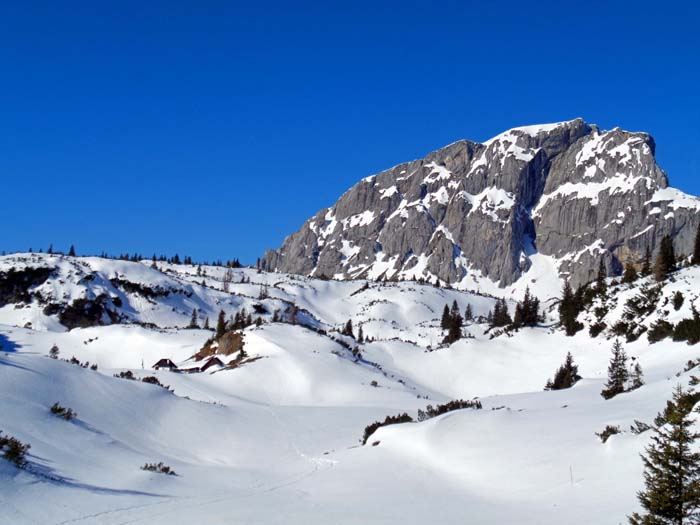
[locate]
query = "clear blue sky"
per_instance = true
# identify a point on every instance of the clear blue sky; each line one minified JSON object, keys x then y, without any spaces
{"x":214,"y":128}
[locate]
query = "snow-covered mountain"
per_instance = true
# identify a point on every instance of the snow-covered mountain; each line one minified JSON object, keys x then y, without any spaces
{"x":274,"y":435}
{"x":534,"y":200}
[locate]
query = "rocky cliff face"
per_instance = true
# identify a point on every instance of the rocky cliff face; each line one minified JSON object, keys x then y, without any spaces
{"x":568,"y":191}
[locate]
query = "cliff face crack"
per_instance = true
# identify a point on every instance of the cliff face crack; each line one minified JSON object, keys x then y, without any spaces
{"x":475,"y":210}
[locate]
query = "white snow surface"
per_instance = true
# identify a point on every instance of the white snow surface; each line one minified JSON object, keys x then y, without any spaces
{"x":276,"y":440}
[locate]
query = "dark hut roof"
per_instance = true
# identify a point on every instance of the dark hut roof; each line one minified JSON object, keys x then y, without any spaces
{"x":165,"y":363}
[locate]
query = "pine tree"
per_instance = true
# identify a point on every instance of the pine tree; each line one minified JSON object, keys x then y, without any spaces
{"x":194,"y":323}
{"x":568,"y":311}
{"x":71,"y":251}
{"x":348,"y":328}
{"x":671,"y":494}
{"x":206,"y":323}
{"x":54,"y":351}
{"x":468,"y":315}
{"x":630,"y":273}
{"x":220,"y":324}
{"x":499,"y":316}
{"x":445,"y":321}
{"x":646,"y":264}
{"x":360,"y":335}
{"x":617,"y":372}
{"x":600,"y":285}
{"x":696,"y":248}
{"x":527,"y":311}
{"x":566,"y":376}
{"x":636,"y":377}
{"x":665,"y":260}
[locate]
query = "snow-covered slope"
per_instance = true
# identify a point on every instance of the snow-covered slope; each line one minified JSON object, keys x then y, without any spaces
{"x":276,"y":439}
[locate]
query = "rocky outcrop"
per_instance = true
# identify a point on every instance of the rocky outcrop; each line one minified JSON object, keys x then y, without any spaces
{"x":568,"y":190}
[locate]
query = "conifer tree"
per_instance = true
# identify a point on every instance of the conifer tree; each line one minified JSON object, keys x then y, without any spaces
{"x":665,"y":260}
{"x":468,"y":315}
{"x":206,"y":323}
{"x":527,"y":311}
{"x":348,"y":328}
{"x":566,"y":375}
{"x":617,"y":372}
{"x":194,"y":323}
{"x":445,"y":321}
{"x":696,"y":249}
{"x":646,"y":265}
{"x":71,"y":251}
{"x":360,"y":335}
{"x":500,"y":316}
{"x":568,"y":311}
{"x":220,"y":324}
{"x":636,"y":377}
{"x":671,"y":494}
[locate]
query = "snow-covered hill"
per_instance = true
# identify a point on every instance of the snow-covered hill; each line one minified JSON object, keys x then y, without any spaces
{"x":276,"y":437}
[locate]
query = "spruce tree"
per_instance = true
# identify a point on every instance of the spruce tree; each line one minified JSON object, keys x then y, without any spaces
{"x":194,"y":319}
{"x":468,"y":315}
{"x":671,"y":494}
{"x":445,"y":321}
{"x":220,"y":324}
{"x":360,"y":335}
{"x":636,"y":377}
{"x":617,"y":372}
{"x":665,"y":260}
{"x":71,"y":251}
{"x":568,"y":311}
{"x":696,"y":248}
{"x":348,"y":328}
{"x":565,"y":377}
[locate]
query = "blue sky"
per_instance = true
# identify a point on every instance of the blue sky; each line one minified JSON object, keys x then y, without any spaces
{"x":214,"y":129}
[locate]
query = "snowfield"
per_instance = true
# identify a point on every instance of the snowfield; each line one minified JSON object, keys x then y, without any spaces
{"x":277,"y":439}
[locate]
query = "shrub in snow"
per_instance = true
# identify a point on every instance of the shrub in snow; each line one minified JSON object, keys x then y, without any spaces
{"x":53,"y":353}
{"x":457,"y":404}
{"x":160,"y":468}
{"x":596,"y":329}
{"x":660,"y":330}
{"x":65,"y":413}
{"x":688,"y":329}
{"x":126,"y":375}
{"x":678,"y":300}
{"x":608,"y":431}
{"x":14,"y":450}
{"x":389,"y":420}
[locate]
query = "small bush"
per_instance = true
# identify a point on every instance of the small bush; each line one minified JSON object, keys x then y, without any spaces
{"x":65,"y":413}
{"x":54,"y":351}
{"x":126,"y":375}
{"x":678,"y":300}
{"x":596,"y":329}
{"x":607,"y":432}
{"x":159,"y":468}
{"x":659,"y":330}
{"x":688,"y":330}
{"x":457,"y":404}
{"x":14,"y":450}
{"x":389,"y":420}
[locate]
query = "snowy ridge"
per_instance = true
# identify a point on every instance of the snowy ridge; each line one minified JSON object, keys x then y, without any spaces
{"x":281,"y":432}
